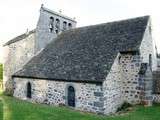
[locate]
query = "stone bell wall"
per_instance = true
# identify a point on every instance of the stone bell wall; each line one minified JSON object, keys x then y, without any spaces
{"x":43,"y":34}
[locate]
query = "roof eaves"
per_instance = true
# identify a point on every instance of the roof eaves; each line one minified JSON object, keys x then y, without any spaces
{"x":52,"y":79}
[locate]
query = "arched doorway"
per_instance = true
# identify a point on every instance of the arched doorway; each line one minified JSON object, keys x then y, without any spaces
{"x":29,"y":92}
{"x":71,"y":96}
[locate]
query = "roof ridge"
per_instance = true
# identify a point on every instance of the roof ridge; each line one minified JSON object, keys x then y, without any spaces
{"x":111,"y":22}
{"x":19,"y":37}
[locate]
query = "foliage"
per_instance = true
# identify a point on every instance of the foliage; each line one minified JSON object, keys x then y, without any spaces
{"x":124,"y":106}
{"x":21,"y":110}
{"x":1,"y":71}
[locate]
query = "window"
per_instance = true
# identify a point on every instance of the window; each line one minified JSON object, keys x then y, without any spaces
{"x":150,"y":60}
{"x":29,"y":90}
{"x":69,"y":25}
{"x":51,"y":24}
{"x":64,"y":25}
{"x":71,"y":96}
{"x":57,"y":25}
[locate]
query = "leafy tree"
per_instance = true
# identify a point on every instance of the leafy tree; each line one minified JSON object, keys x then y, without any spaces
{"x":1,"y":71}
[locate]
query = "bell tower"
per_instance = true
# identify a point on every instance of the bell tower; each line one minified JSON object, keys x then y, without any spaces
{"x":49,"y":25}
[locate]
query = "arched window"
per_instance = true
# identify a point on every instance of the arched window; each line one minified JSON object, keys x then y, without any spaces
{"x":71,"y":96}
{"x":57,"y":25}
{"x":51,"y":24}
{"x":29,"y":90}
{"x":69,"y":25}
{"x":64,"y":25}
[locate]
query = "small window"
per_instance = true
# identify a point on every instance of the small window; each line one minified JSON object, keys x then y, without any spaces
{"x":69,"y":25}
{"x":51,"y":24}
{"x":71,"y":96}
{"x":150,"y":60}
{"x":29,"y":90}
{"x":64,"y":25}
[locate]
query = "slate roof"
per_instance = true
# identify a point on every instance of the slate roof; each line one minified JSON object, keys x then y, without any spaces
{"x":20,"y":37}
{"x":86,"y":54}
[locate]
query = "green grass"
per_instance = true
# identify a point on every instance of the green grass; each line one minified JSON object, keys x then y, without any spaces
{"x":1,"y":111}
{"x":14,"y":109}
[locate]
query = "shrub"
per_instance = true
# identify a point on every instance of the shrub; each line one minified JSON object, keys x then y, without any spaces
{"x":124,"y":106}
{"x":62,"y":105}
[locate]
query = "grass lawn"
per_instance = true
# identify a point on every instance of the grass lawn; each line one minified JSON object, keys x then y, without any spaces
{"x":13,"y":109}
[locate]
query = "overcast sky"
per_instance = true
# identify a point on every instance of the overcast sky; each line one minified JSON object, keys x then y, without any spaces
{"x":18,"y":15}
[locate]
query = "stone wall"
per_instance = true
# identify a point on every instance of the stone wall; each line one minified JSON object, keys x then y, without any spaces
{"x":156,"y":98}
{"x":112,"y":88}
{"x":156,"y":81}
{"x":122,"y":83}
{"x":88,"y":97}
{"x":147,"y":97}
{"x":19,"y":54}
{"x":130,"y":67}
{"x":156,"y":86}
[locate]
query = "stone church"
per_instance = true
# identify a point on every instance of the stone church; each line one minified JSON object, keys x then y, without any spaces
{"x":94,"y":68}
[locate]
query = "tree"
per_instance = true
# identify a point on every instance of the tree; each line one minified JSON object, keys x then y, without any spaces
{"x":1,"y":71}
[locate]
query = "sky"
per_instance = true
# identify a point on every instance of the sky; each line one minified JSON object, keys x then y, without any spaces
{"x":16,"y":16}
